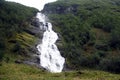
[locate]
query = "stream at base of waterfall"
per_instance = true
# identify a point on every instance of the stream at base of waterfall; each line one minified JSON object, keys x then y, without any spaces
{"x":50,"y":57}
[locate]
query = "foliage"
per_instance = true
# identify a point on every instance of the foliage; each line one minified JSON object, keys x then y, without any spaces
{"x":111,"y":64}
{"x":90,"y":31}
{"x":115,"y":38}
{"x":14,"y":19}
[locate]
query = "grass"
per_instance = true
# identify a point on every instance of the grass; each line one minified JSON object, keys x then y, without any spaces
{"x":22,"y":43}
{"x":26,"y":39}
{"x":12,"y":71}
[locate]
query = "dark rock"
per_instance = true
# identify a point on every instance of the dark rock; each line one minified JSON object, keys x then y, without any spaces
{"x":34,"y":61}
{"x":35,"y":22}
{"x":18,"y":61}
{"x":60,"y":8}
{"x":34,"y":31}
{"x":79,"y":72}
{"x":12,"y":41}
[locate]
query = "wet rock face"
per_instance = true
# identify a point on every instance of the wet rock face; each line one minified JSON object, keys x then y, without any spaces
{"x":35,"y":22}
{"x":34,"y":28}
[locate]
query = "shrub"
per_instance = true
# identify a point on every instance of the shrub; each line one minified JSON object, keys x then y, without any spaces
{"x":111,"y":64}
{"x":91,"y":61}
{"x":115,"y":38}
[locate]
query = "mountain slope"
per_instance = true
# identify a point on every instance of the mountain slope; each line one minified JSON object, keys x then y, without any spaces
{"x":90,"y":32}
{"x":19,"y":32}
{"x":15,"y":40}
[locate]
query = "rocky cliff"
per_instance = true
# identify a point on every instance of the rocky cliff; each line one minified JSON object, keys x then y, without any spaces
{"x":60,"y":8}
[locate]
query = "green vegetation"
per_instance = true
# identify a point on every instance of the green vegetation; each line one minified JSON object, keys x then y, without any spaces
{"x":15,"y":19}
{"x":90,"y":38}
{"x":11,"y":71}
{"x":90,"y":32}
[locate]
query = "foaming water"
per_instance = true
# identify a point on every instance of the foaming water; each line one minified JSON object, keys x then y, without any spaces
{"x":50,"y":57}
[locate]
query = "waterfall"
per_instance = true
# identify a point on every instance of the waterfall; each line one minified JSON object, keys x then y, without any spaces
{"x":50,"y":57}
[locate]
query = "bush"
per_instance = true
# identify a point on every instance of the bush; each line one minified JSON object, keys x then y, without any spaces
{"x":82,"y":44}
{"x":2,"y":48}
{"x":1,"y":55}
{"x":111,"y":64}
{"x":13,"y":17}
{"x":115,"y":38}
{"x":104,"y":21}
{"x":91,"y":61}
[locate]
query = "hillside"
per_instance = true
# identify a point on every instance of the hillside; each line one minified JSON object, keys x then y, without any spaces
{"x":89,"y":39}
{"x":89,"y":32}
{"x":16,"y":38}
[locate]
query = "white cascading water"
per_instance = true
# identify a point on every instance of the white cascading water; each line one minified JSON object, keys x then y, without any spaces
{"x":50,"y":57}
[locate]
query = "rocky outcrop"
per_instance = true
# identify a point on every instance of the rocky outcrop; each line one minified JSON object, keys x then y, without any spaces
{"x":32,"y":52}
{"x":60,"y":8}
{"x":34,"y":28}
